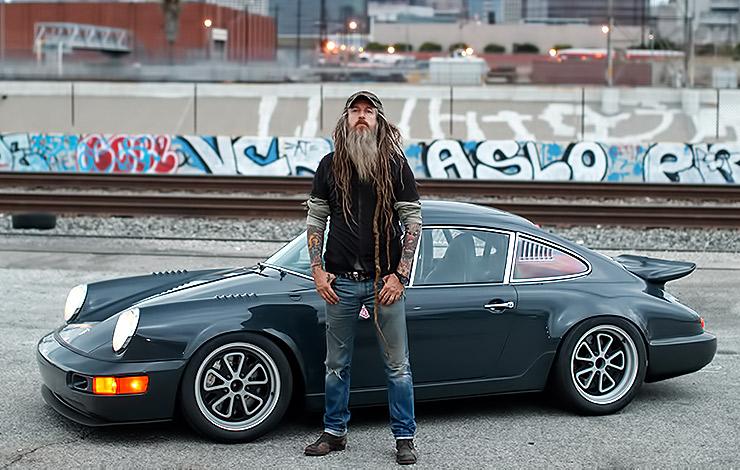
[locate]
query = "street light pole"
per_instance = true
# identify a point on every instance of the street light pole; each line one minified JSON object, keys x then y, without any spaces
{"x":298,"y":37}
{"x":2,"y":34}
{"x":609,"y":59}
{"x":688,"y":47}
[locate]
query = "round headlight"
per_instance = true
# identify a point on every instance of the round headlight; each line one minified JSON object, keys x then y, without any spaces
{"x":125,"y":328}
{"x":75,"y":299}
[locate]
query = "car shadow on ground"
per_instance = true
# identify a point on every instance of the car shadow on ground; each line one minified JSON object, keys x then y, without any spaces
{"x":518,"y":406}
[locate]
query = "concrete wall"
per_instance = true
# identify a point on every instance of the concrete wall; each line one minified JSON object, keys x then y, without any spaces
{"x":536,"y":113}
{"x":444,"y":158}
{"x":478,"y":35}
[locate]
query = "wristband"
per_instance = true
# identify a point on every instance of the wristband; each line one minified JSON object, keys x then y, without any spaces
{"x":403,"y":279}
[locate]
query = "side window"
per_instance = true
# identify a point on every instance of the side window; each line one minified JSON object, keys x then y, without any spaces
{"x":459,"y":256}
{"x":535,"y":260}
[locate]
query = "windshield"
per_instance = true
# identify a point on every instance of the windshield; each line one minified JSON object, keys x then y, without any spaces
{"x":294,"y":255}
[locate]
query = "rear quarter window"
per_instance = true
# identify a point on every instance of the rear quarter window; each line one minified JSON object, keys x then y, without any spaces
{"x":535,"y":260}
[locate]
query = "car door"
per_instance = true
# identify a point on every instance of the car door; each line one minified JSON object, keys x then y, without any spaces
{"x":459,"y":308}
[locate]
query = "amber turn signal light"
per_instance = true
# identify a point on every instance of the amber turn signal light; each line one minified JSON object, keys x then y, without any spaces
{"x":120,"y":385}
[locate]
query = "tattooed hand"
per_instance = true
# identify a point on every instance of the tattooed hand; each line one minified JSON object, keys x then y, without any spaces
{"x":321,"y":278}
{"x":392,"y":290}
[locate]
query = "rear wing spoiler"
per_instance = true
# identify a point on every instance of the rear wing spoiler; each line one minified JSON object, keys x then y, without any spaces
{"x":657,"y":271}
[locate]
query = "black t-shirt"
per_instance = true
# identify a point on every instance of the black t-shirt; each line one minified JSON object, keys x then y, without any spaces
{"x":351,"y":247}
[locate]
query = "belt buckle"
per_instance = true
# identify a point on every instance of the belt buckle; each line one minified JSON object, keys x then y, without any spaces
{"x":356,"y":276}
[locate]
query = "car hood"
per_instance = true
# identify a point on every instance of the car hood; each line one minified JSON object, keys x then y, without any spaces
{"x":94,"y":336}
{"x":237,"y":283}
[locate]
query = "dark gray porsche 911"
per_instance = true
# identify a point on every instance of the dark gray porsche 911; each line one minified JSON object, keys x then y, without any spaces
{"x":496,"y":305}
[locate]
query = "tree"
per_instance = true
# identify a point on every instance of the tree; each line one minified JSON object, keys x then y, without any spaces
{"x":430,"y":47}
{"x":525,"y":48}
{"x":494,"y":48}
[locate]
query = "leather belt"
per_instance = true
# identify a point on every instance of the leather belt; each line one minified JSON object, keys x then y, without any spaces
{"x":357,"y":275}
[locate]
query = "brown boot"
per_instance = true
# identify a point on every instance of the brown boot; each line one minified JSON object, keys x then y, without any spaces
{"x":326,"y":443}
{"x":405,"y":451}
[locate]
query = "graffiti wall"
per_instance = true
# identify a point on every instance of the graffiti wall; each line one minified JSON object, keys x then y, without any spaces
{"x":717,"y":163}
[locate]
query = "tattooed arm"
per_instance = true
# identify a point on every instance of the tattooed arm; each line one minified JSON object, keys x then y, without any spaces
{"x":318,"y":211}
{"x":410,"y":241}
{"x":410,"y":215}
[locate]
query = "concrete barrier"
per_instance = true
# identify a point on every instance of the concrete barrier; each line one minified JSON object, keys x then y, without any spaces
{"x":501,"y":112}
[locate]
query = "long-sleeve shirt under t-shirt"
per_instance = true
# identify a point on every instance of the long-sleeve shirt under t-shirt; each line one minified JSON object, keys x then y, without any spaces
{"x":350,"y":245}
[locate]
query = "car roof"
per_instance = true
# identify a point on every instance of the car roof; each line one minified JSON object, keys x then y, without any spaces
{"x":436,"y":212}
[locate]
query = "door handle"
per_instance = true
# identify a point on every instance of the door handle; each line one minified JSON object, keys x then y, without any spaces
{"x":499,"y":306}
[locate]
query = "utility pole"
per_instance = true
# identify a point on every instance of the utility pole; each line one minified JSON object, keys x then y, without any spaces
{"x":298,"y":37}
{"x":2,"y":34}
{"x":322,"y":24}
{"x":277,"y":35}
{"x":643,"y":7}
{"x":688,"y":57}
{"x":609,"y":58}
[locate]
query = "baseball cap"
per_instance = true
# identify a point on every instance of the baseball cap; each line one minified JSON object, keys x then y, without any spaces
{"x":368,"y":95}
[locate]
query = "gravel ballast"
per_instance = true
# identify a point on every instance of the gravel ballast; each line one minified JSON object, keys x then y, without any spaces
{"x":191,"y":228}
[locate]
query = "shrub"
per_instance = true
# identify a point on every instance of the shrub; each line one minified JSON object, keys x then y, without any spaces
{"x":376,"y":47}
{"x":558,"y":47}
{"x":456,"y":46}
{"x":494,"y":49}
{"x":525,"y":48}
{"x":430,"y":47}
{"x":403,"y":47}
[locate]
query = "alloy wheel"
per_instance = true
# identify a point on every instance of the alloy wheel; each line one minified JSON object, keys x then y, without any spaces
{"x":237,"y":386}
{"x":604,"y":364}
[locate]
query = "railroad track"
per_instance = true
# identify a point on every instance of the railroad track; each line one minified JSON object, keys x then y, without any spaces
{"x":210,"y":205}
{"x":301,"y":185}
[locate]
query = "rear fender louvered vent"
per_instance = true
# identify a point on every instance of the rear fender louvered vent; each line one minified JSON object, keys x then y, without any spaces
{"x":535,"y":252}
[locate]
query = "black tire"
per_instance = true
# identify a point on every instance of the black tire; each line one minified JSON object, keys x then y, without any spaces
{"x":585,"y":385}
{"x":245,"y":418}
{"x":37,"y":221}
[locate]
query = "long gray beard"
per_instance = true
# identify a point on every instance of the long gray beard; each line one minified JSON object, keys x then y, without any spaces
{"x":362,"y":148}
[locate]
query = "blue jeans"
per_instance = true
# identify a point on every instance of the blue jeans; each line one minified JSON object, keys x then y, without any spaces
{"x":341,"y":321}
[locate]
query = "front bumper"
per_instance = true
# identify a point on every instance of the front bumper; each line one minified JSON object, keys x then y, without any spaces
{"x":61,"y":372}
{"x":679,"y":356}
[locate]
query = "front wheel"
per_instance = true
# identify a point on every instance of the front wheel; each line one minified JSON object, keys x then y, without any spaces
{"x":236,"y":388}
{"x":601,"y":365}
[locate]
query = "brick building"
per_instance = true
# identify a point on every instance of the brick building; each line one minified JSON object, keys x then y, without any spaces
{"x":204,"y":30}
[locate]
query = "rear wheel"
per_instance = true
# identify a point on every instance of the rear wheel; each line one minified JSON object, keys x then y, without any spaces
{"x":236,"y":388}
{"x":601,"y":365}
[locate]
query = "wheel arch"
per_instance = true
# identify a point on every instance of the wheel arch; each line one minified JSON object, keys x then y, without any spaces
{"x":282,"y":340}
{"x":573,"y":325}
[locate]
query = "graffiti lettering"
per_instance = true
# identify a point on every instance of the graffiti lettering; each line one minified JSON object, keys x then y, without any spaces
{"x":444,"y":158}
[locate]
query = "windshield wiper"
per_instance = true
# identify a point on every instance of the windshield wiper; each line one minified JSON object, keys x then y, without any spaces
{"x":282,"y":272}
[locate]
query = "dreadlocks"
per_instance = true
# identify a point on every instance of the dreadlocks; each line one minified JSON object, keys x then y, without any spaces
{"x":389,"y":156}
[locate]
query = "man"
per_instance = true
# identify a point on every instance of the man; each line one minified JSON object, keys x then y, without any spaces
{"x":367,"y":189}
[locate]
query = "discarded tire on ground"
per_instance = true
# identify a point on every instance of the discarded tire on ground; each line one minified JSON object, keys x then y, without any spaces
{"x":36,"y":221}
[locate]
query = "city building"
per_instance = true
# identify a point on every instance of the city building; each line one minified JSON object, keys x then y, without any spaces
{"x":255,"y":7}
{"x":304,"y":17}
{"x":387,"y":12}
{"x":203,"y":31}
{"x":625,"y":12}
{"x":718,"y":22}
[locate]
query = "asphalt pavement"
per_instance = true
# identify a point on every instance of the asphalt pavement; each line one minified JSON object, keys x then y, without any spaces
{"x":689,"y":421}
